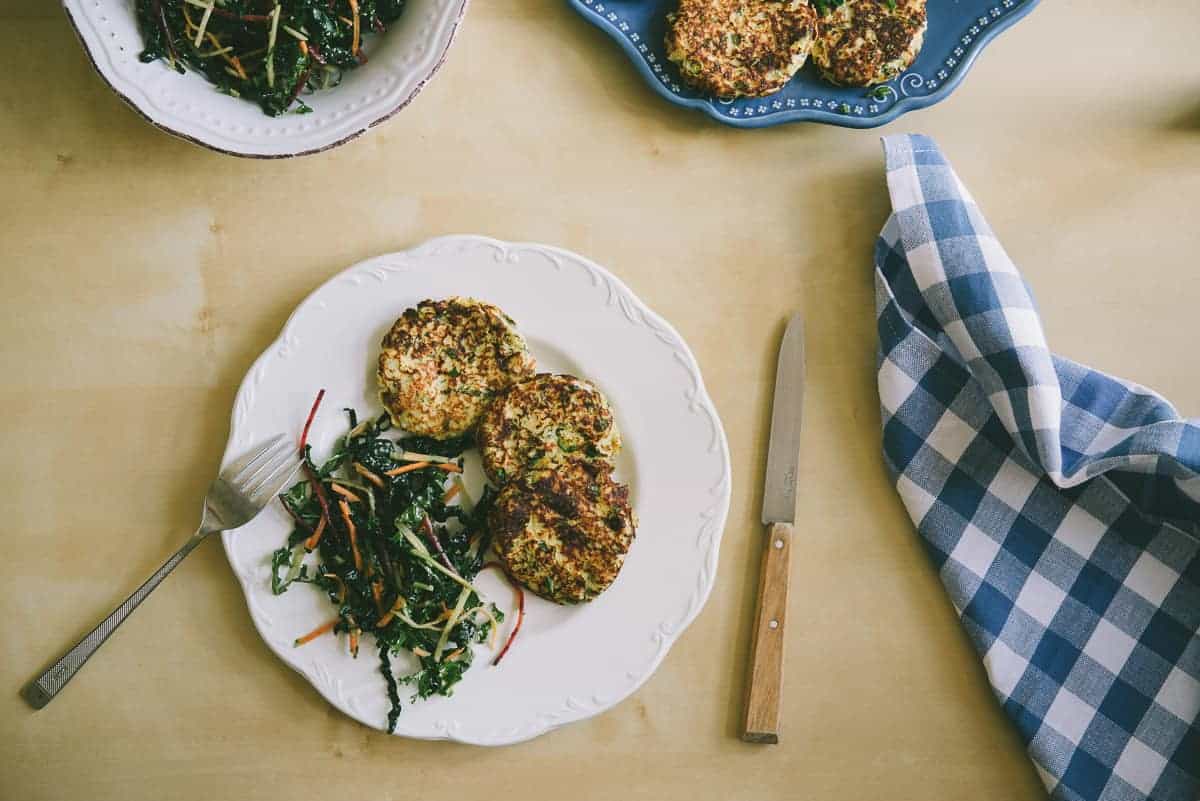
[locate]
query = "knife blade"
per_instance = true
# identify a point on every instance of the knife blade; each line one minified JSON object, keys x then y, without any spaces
{"x":783,"y":450}
{"x":764,"y":692}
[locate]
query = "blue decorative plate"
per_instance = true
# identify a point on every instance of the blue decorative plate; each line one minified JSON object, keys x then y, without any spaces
{"x":958,"y":30}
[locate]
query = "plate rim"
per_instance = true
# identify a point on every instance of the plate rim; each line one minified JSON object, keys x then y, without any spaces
{"x":722,"y":490}
{"x":902,"y":106}
{"x":111,"y":80}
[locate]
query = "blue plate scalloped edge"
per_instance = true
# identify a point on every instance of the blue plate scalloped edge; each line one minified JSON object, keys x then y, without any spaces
{"x":849,"y":107}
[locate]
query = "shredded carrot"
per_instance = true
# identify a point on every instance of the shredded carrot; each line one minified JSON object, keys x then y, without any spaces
{"x":231,"y":60}
{"x":377,"y":594}
{"x":353,"y":534}
{"x":341,"y":586}
{"x":354,"y":643}
{"x":453,"y":655}
{"x":304,"y":47}
{"x":237,"y":65}
{"x":450,"y":493}
{"x":315,"y":633}
{"x":408,"y":468}
{"x":312,"y":541}
{"x":368,"y":475}
{"x":354,"y":41}
{"x":320,"y":395}
{"x":391,"y":613}
{"x":419,"y":651}
{"x":345,"y":493}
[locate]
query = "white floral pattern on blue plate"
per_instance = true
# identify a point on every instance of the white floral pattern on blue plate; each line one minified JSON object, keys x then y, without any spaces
{"x":958,"y":31}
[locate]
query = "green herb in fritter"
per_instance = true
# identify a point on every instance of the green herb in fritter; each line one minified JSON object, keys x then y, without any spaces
{"x":825,"y":6}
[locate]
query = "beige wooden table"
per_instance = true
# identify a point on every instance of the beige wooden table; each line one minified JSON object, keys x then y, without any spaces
{"x":140,"y":276}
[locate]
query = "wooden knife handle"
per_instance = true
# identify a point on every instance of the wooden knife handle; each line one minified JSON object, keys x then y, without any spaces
{"x":764,"y":694}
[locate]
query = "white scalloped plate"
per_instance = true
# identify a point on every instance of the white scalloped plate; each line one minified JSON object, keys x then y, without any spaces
{"x":402,"y":61}
{"x":568,"y":663}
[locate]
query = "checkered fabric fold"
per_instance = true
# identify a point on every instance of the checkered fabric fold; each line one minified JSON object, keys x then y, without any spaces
{"x":1061,"y":506}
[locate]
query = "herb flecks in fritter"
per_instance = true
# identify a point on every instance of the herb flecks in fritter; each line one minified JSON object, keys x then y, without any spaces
{"x":866,"y":42}
{"x":544,"y":421}
{"x":563,"y":533}
{"x":443,"y":362}
{"x":740,"y":48}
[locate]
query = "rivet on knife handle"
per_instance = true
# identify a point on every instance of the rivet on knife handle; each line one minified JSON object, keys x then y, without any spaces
{"x":764,"y":696}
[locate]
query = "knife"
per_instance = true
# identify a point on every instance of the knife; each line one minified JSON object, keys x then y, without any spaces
{"x":765,"y":684}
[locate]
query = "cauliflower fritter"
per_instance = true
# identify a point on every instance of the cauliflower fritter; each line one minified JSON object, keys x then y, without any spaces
{"x":740,"y":48}
{"x":563,"y":533}
{"x":544,"y":421}
{"x":443,"y":362}
{"x":865,"y":42}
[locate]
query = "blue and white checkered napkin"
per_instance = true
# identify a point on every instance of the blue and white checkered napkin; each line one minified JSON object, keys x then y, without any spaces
{"x":1060,"y":505}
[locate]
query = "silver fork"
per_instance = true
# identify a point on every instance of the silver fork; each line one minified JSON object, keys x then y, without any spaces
{"x":240,"y":492}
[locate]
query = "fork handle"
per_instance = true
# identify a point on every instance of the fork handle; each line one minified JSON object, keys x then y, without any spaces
{"x":45,"y":687}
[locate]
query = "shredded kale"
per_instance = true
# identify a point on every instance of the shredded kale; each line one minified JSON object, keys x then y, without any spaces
{"x":438,"y":447}
{"x":399,"y":594}
{"x":279,"y":559}
{"x":314,"y":42}
{"x":385,"y":667}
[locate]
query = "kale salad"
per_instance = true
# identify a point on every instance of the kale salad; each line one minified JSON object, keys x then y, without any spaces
{"x":384,"y":527}
{"x":268,"y":51}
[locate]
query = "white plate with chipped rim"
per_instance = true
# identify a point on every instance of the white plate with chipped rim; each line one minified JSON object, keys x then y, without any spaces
{"x":403,"y":60}
{"x":568,"y":663}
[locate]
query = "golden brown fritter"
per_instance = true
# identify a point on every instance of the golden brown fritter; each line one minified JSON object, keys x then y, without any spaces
{"x":563,"y":533}
{"x":443,"y":362}
{"x":864,"y":42}
{"x":544,"y":421}
{"x":740,"y":48}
